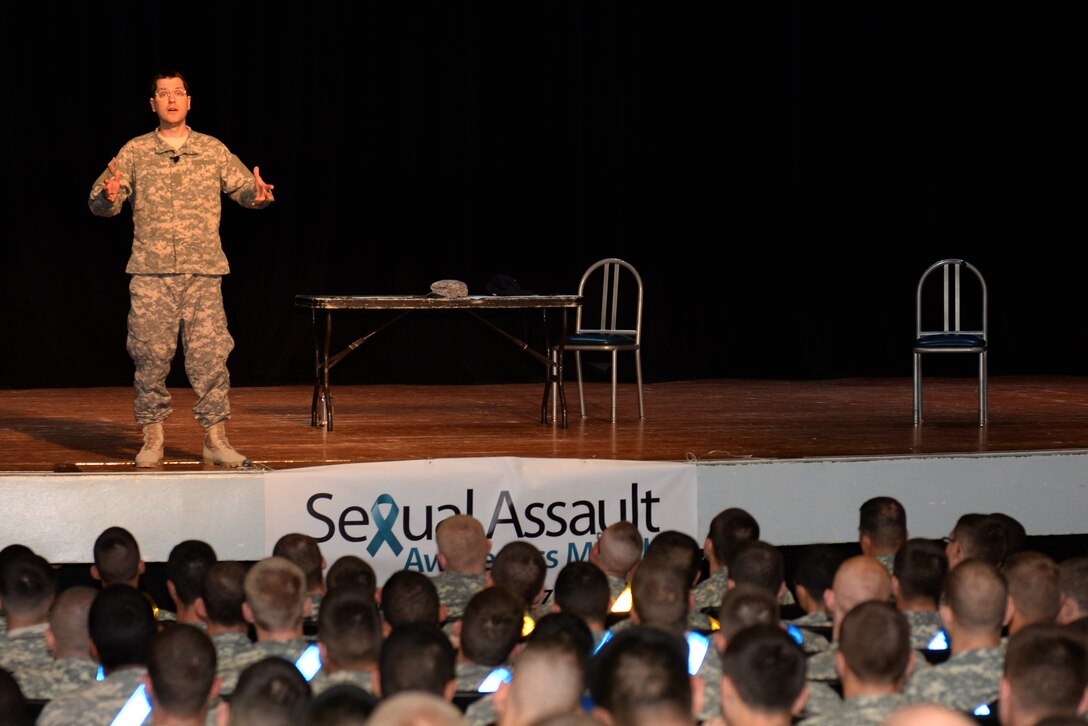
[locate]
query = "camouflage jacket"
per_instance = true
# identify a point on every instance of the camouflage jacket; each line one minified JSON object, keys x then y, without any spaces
{"x":860,"y":711}
{"x":455,"y":589}
{"x":231,"y":670}
{"x":95,"y":705}
{"x":25,"y":648}
{"x":176,"y":202}
{"x":924,"y":624}
{"x":962,"y":682}
{"x":57,"y":678}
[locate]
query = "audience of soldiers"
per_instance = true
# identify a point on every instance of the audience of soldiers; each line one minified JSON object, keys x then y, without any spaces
{"x":910,"y":631}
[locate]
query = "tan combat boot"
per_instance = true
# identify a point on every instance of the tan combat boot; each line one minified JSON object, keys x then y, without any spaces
{"x":217,"y":450}
{"x":151,"y":453}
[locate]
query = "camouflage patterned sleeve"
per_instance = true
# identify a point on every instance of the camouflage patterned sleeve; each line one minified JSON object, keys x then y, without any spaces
{"x":238,"y":182}
{"x":100,"y":207}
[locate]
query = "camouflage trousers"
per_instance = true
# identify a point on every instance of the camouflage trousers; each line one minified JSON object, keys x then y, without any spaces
{"x":163,"y":306}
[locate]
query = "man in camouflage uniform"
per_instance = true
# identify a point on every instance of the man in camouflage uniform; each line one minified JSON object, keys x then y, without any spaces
{"x":729,"y":529}
{"x":617,"y":552}
{"x":873,"y":659}
{"x":122,"y":627}
{"x":68,"y":638}
{"x":28,"y":586}
{"x":221,"y":607}
{"x":918,"y":575}
{"x":462,"y":554}
{"x":974,"y":611}
{"x":350,"y":638}
{"x":882,"y":529}
{"x":173,"y":178}
{"x":275,"y":605}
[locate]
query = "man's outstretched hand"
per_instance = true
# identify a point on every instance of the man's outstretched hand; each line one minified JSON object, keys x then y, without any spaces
{"x":263,"y":192}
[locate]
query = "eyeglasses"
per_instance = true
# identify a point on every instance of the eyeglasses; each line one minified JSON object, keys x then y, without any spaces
{"x":162,"y":94}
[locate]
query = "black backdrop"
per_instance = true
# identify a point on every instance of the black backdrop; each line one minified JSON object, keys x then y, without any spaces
{"x":780,"y":174}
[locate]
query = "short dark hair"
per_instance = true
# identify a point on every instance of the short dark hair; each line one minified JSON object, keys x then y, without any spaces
{"x":1073,"y":576}
{"x":491,"y":626}
{"x":116,"y":555}
{"x":28,"y":585}
{"x":122,"y":626}
{"x":581,"y":589}
{"x":270,"y":692}
{"x":766,"y":667}
{"x":875,"y":641}
{"x":1016,"y":537}
{"x":181,"y":666}
{"x":885,"y":521}
{"x":976,"y":592}
{"x":416,"y":657}
{"x":351,"y":569}
{"x":224,"y":592}
{"x":564,"y":627}
{"x":520,"y":568}
{"x":349,"y":625}
{"x":659,"y":593}
{"x":1035,"y":585}
{"x":163,"y":76}
{"x":301,"y":549}
{"x":641,"y":667}
{"x":409,"y":597}
{"x":920,"y":566}
{"x":816,"y":568}
{"x":341,"y":705}
{"x":1047,"y":669}
{"x":982,"y":536}
{"x":186,"y":566}
{"x":680,"y":549}
{"x":758,"y":563}
{"x":729,"y":529}
{"x":746,"y":605}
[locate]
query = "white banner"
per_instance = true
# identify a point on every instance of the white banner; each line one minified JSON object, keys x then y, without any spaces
{"x":386,"y":512}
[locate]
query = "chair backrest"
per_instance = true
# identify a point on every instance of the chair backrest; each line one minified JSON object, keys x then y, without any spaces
{"x":619,"y":291}
{"x":963,"y":300}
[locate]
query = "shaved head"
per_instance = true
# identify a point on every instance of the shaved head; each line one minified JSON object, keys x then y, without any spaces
{"x":463,"y":544}
{"x":858,"y":579}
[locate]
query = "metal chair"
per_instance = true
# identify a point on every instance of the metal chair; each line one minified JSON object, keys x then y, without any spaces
{"x":608,"y":336}
{"x":942,"y":331}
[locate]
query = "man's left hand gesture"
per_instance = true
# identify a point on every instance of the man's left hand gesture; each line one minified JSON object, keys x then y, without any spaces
{"x":263,"y":192}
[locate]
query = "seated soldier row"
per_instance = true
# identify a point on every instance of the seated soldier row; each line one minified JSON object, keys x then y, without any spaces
{"x":383,"y":641}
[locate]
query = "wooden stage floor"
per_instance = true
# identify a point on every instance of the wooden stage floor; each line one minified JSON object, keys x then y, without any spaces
{"x":91,"y":429}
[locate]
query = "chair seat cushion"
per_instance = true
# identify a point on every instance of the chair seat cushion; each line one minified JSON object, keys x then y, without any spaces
{"x":950,"y":340}
{"x":599,"y":339}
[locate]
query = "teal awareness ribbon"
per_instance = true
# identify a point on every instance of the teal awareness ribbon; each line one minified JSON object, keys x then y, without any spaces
{"x":385,"y":526}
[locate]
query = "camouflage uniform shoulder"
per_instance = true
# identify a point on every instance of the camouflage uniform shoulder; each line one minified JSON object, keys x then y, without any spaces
{"x":471,"y":675}
{"x":963,"y":682}
{"x":95,"y":705}
{"x":57,"y":678}
{"x":860,"y":711}
{"x":481,"y":712}
{"x":324,"y":680}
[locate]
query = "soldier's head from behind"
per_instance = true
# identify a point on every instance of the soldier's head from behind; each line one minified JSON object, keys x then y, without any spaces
{"x":186,"y":567}
{"x":814,"y":575}
{"x":122,"y":626}
{"x":976,"y":602}
{"x":681,"y":550}
{"x":181,"y":675}
{"x":874,"y":650}
{"x":117,"y":558}
{"x":660,"y":595}
{"x":349,"y":629}
{"x":350,"y":569}
{"x":548,"y":680}
{"x":410,"y":597}
{"x":918,"y":575}
{"x":617,"y":550}
{"x":224,"y":594}
{"x":270,"y":692}
{"x":1073,"y":578}
{"x":729,"y":529}
{"x":759,"y":563}
{"x":1035,"y":589}
{"x":27,"y":590}
{"x":763,"y":675}
{"x":302,"y":549}
{"x":977,"y":536}
{"x":462,"y":545}
{"x":882,"y":526}
{"x":743,"y":607}
{"x":276,"y":600}
{"x":520,"y":569}
{"x":491,"y":627}
{"x":643,"y":670}
{"x":581,"y":589}
{"x":417,"y":658}
{"x":1046,"y":675}
{"x":858,"y":579}
{"x":68,"y":634}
